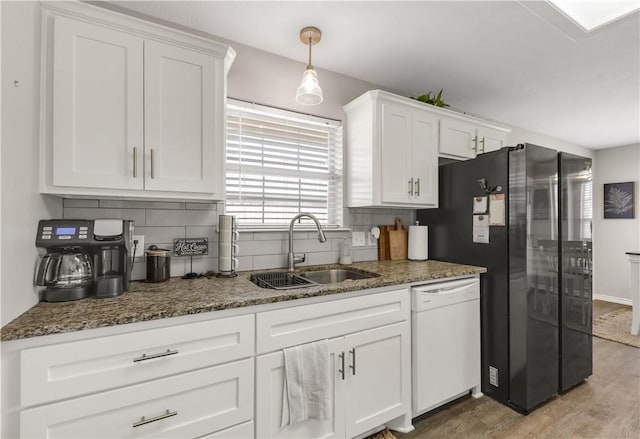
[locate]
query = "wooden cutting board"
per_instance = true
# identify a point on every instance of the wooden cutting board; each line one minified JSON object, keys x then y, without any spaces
{"x":398,"y":242}
{"x":383,"y":243}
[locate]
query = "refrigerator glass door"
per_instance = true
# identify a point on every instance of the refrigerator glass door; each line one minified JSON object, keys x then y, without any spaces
{"x":576,"y":269}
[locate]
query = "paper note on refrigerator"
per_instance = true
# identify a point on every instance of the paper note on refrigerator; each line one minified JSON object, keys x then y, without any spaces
{"x":479,"y":204}
{"x":481,"y":229}
{"x":497,"y":210}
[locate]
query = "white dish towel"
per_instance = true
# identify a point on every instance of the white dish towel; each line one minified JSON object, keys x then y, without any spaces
{"x":307,"y":391}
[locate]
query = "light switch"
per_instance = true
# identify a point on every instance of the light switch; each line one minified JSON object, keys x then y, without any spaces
{"x":357,"y":239}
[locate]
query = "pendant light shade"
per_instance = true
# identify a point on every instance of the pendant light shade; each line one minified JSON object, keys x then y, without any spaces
{"x":309,"y":91}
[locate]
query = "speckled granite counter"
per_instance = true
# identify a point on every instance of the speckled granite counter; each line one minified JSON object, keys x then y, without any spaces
{"x":178,"y":297}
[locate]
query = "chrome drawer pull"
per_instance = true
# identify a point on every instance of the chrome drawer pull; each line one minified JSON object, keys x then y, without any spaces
{"x":145,"y":357}
{"x":135,"y":162}
{"x":411,"y":187}
{"x":353,"y":358}
{"x":342,"y":365}
{"x":144,"y":420}
{"x":152,"y":165}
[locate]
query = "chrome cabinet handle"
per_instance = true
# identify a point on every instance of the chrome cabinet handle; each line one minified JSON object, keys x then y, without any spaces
{"x":135,"y":162}
{"x":475,"y":143}
{"x":482,"y":141}
{"x":411,"y":186}
{"x":152,"y":173}
{"x":417,"y":187}
{"x":144,"y":420}
{"x":353,"y":361}
{"x":341,"y":370}
{"x":145,"y":357}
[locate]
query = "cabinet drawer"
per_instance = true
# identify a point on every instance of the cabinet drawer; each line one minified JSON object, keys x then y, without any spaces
{"x":242,"y":431}
{"x":288,"y":327}
{"x":65,"y":370}
{"x":187,"y":405}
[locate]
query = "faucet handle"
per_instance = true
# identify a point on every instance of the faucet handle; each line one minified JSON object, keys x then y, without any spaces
{"x":299,"y":259}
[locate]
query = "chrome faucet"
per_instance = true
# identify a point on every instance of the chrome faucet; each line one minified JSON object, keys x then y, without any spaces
{"x":292,"y":260}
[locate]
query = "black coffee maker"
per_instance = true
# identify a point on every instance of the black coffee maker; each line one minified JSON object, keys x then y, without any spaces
{"x":84,"y":258}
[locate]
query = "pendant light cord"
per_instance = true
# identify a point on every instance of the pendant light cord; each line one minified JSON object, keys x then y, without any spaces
{"x":309,"y":66}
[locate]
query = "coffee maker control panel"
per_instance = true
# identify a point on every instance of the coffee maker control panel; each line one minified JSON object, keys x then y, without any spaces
{"x":64,"y":233}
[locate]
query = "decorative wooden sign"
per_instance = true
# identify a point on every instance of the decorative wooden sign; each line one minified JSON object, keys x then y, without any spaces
{"x":190,"y":246}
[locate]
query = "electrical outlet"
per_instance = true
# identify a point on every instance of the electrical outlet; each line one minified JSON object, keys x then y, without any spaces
{"x":140,"y":246}
{"x":357,"y":239}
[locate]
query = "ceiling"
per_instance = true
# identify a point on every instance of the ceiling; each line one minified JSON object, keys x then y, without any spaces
{"x":518,"y":62}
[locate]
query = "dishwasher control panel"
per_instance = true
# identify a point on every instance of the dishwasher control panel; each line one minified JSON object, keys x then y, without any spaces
{"x":439,"y":294}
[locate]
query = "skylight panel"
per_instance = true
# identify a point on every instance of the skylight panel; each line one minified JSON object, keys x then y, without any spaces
{"x":590,"y":15}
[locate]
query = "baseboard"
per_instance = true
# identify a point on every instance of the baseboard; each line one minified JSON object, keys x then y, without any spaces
{"x":614,"y":299}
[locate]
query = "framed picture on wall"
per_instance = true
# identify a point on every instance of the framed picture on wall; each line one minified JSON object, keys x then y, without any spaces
{"x":618,"y":200}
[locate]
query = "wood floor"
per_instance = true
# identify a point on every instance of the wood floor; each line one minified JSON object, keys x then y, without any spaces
{"x":606,"y":406}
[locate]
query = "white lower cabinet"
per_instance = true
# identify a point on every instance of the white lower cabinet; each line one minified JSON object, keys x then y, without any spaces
{"x":270,"y":393}
{"x":187,"y":405}
{"x":378,"y":377}
{"x":217,"y":378}
{"x":370,"y":368}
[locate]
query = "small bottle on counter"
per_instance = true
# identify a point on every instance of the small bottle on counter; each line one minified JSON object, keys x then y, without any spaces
{"x":345,"y":254}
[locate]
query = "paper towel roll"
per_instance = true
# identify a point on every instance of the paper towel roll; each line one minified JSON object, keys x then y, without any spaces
{"x":418,"y":243}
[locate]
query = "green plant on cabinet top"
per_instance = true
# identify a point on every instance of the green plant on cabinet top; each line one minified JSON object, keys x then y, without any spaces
{"x":436,"y":99}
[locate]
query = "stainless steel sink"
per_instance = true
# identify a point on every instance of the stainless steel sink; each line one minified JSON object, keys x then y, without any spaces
{"x":335,"y":276}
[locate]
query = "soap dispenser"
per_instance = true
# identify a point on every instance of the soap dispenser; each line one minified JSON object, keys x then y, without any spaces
{"x":345,"y":255}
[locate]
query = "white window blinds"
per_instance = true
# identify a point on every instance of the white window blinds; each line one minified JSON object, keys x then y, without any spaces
{"x":281,"y":163}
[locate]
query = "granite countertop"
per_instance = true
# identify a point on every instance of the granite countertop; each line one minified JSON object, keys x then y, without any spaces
{"x":179,"y":297}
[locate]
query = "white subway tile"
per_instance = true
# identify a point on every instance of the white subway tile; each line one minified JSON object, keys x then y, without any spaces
{"x":74,"y":202}
{"x":137,"y":215}
{"x":126,"y":204}
{"x":245,"y":263}
{"x":203,"y":232}
{"x":318,"y":258}
{"x":265,"y":262}
{"x":365,"y":254}
{"x":202,"y":206}
{"x":162,"y":217}
{"x":160,"y":234}
{"x":247,"y":248}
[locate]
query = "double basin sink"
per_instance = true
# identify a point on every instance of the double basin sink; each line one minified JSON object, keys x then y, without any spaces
{"x":280,"y":280}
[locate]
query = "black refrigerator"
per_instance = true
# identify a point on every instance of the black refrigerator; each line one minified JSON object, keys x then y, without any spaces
{"x":523,"y":212}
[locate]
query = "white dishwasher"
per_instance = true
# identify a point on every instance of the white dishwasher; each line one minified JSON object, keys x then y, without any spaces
{"x":445,"y":330}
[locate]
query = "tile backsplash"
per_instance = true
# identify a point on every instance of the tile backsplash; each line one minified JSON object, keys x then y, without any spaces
{"x":160,"y":222}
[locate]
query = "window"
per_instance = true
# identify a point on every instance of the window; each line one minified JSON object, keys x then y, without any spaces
{"x":281,"y":163}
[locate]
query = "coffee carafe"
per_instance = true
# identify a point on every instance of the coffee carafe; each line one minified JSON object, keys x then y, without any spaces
{"x":84,"y":258}
{"x":66,"y":273}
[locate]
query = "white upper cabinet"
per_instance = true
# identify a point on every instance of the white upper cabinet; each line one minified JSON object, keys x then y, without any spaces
{"x":465,"y":138}
{"x":180,"y":120}
{"x":130,"y":109}
{"x":393,"y":144}
{"x":391,"y":152}
{"x":97,"y":106}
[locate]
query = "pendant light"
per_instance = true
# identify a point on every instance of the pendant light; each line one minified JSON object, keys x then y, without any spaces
{"x":309,"y":91}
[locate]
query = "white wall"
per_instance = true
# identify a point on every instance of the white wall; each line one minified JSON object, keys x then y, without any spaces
{"x":22,"y":205}
{"x":613,"y":237}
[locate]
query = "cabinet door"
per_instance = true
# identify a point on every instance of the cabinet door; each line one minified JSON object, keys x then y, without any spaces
{"x":379,"y":377}
{"x":184,"y":117}
{"x":187,"y":405}
{"x":269,"y":396}
{"x":424,"y":158}
{"x":490,"y":139}
{"x":457,"y":139}
{"x":395,"y":154}
{"x":97,"y":107}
